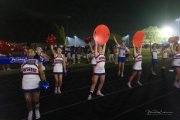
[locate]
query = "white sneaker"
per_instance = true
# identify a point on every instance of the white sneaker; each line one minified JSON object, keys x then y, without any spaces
{"x":37,"y":114}
{"x":55,"y":91}
{"x":89,"y":97}
{"x":139,"y":83}
{"x":59,"y":91}
{"x":129,"y":85}
{"x":99,"y":93}
{"x":9,"y":69}
{"x":154,"y":73}
{"x":122,"y":75}
{"x":119,"y":73}
{"x":163,"y":68}
{"x":171,"y":70}
{"x":176,"y":84}
{"x":30,"y":115}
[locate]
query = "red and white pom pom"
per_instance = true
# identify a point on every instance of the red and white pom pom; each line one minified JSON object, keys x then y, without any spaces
{"x":51,"y":40}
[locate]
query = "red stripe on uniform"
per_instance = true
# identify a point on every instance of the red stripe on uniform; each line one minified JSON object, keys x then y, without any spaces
{"x":36,"y":65}
{"x":100,"y":61}
{"x":138,"y":60}
{"x":97,"y":56}
{"x":136,"y":56}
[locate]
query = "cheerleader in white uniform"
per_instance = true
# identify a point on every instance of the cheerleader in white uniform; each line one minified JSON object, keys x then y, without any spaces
{"x":176,"y":64}
{"x":137,"y":67}
{"x":59,"y":65}
{"x":164,"y":56}
{"x":99,"y":70}
{"x":30,"y":83}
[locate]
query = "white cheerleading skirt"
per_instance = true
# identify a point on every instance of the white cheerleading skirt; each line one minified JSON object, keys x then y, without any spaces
{"x":30,"y":82}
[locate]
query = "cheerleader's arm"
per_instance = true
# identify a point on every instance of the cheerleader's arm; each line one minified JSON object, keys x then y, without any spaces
{"x":52,"y":49}
{"x":115,"y":40}
{"x":134,"y":50}
{"x":91,"y":47}
{"x":95,"y":50}
{"x":141,"y":49}
{"x":42,"y":75}
{"x":104,"y":48}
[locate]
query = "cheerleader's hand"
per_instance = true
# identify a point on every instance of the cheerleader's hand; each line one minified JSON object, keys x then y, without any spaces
{"x":64,"y":71}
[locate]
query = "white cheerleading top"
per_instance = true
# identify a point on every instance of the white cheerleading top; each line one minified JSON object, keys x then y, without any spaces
{"x":31,"y":77}
{"x":164,"y":53}
{"x":58,"y":64}
{"x":100,"y":62}
{"x":122,"y":50}
{"x":176,"y":61}
{"x":154,"y":54}
{"x":138,"y":63}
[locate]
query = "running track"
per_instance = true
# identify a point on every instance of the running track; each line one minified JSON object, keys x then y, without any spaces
{"x":119,"y":102}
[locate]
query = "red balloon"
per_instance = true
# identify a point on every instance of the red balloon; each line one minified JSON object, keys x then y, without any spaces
{"x":138,"y":38}
{"x":101,"y":34}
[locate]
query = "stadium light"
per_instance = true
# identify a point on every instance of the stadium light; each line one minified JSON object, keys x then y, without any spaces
{"x":167,"y":31}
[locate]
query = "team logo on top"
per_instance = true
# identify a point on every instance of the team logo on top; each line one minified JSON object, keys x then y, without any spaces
{"x":101,"y":58}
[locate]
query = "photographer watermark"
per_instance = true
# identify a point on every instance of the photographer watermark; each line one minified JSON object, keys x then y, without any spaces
{"x":158,"y":112}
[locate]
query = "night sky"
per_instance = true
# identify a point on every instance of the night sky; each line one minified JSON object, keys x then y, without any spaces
{"x":24,"y":20}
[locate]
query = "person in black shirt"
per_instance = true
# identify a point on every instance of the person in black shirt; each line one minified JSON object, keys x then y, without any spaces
{"x":73,"y":52}
{"x":111,"y":54}
{"x":79,"y":54}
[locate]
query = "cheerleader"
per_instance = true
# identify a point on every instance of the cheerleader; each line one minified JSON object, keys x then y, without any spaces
{"x":176,"y":64}
{"x":93,"y":61}
{"x":154,"y":53}
{"x":59,"y":64}
{"x":99,"y":70}
{"x":137,"y":69}
{"x":164,"y":56}
{"x":30,"y":83}
{"x":42,"y":57}
{"x":122,"y":58}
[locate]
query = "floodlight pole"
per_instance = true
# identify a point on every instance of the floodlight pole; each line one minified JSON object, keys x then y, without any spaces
{"x":178,"y":29}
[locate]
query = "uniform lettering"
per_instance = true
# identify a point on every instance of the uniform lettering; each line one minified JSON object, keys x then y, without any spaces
{"x":29,"y":69}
